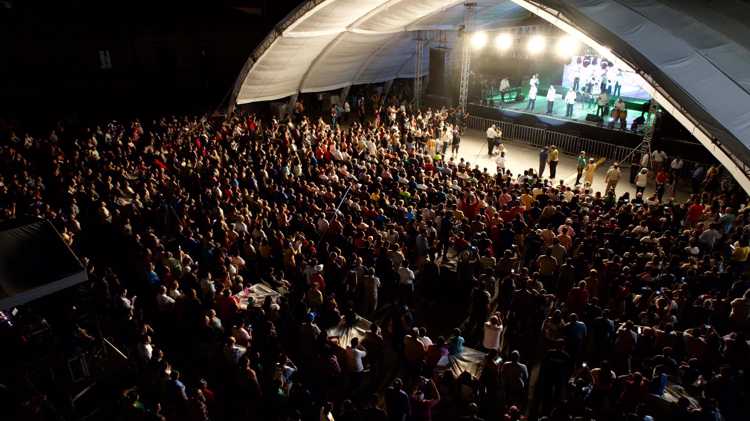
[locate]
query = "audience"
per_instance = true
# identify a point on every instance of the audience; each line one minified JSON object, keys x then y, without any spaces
{"x":598,"y":305}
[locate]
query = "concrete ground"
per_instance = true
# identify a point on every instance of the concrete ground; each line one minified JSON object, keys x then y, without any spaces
{"x":520,"y":157}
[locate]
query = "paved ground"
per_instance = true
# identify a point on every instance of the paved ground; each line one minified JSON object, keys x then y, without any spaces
{"x":520,"y":157}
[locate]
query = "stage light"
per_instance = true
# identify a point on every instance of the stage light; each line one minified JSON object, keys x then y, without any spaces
{"x":503,"y":42}
{"x":479,"y":40}
{"x":536,"y":44}
{"x":567,"y":47}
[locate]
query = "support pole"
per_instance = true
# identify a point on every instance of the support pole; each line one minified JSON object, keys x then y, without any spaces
{"x":386,"y":90}
{"x":463,"y":92}
{"x":420,"y":42}
{"x":344,"y":94}
{"x":292,"y":102}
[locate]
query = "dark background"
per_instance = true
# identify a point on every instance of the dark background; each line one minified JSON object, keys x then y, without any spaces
{"x":166,"y":56}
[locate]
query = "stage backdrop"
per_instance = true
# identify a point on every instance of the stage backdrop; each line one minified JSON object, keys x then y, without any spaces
{"x":593,"y":66}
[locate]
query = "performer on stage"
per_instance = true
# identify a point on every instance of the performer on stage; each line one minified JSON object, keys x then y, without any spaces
{"x":576,"y":77}
{"x":504,"y":86}
{"x":551,"y":93}
{"x":532,"y":98}
{"x":619,"y":113}
{"x":534,"y":81}
{"x":618,"y":83}
{"x":570,"y":101}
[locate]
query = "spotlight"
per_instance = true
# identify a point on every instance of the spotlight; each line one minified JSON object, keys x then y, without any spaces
{"x":503,"y":42}
{"x":567,"y":47}
{"x":479,"y":40}
{"x":536,"y":44}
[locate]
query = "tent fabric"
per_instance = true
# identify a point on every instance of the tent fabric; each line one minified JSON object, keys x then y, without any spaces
{"x":34,"y":262}
{"x":330,"y":44}
{"x":697,"y":51}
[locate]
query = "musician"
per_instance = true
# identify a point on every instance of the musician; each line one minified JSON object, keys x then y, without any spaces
{"x":551,"y":93}
{"x":504,"y":86}
{"x":619,"y":113}
{"x":570,"y":101}
{"x":618,"y":83}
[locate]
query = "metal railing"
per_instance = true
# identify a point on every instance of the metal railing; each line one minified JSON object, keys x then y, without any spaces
{"x":566,"y":143}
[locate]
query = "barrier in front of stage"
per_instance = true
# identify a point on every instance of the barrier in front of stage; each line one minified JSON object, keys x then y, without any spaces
{"x":566,"y":143}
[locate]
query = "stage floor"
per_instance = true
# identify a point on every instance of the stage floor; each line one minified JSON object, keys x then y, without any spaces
{"x":522,"y":157}
{"x":580,"y":110}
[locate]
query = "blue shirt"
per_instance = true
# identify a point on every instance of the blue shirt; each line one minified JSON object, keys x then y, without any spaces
{"x":456,"y":345}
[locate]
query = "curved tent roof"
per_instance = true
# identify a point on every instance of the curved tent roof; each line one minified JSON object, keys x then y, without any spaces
{"x":693,"y":53}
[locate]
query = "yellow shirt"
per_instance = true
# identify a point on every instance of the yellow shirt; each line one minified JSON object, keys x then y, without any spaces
{"x":554,"y":155}
{"x":740,"y":254}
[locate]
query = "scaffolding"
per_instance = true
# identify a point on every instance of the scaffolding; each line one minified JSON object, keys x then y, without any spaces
{"x":418,"y":70}
{"x":463,"y":94}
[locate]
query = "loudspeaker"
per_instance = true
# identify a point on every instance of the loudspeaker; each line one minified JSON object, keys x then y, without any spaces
{"x":593,"y":118}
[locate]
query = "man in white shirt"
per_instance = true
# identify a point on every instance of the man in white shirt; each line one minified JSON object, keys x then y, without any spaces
{"x":491,"y":134}
{"x":532,"y":98}
{"x":570,"y":101}
{"x":355,"y":355}
{"x":551,"y":94}
{"x":504,"y":86}
{"x":658,"y":157}
{"x":676,"y":166}
{"x":500,"y":162}
{"x":164,"y":302}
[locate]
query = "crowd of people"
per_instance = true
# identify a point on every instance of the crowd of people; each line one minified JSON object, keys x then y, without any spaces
{"x":586,"y":305}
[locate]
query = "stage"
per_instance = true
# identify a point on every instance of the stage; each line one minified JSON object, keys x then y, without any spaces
{"x":581,"y":109}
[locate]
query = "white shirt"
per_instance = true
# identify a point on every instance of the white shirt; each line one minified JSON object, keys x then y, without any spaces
{"x":504,"y":84}
{"x":551,"y":93}
{"x":500,"y":162}
{"x":492,"y":336}
{"x":570,"y":97}
{"x":406,"y":275}
{"x":532,"y":92}
{"x":641,"y":180}
{"x":355,"y":357}
{"x":677,"y":164}
{"x":491,"y":133}
{"x":164,"y":302}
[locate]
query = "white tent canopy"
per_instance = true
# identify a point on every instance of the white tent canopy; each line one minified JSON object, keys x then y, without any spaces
{"x":693,"y":53}
{"x":325,"y":45}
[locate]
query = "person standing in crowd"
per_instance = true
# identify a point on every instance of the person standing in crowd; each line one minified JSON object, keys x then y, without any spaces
{"x":551,"y":94}
{"x":641,"y":181}
{"x":676,"y":166}
{"x":581,"y":162}
{"x":554,"y":159}
{"x":543,"y":158}
{"x":658,"y":158}
{"x":532,"y":98}
{"x":500,"y":163}
{"x":570,"y":102}
{"x":590,"y":170}
{"x":491,"y":135}
{"x":612,"y":177}
{"x":514,"y":377}
{"x":456,"y":141}
{"x":661,"y":179}
{"x":493,"y":329}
